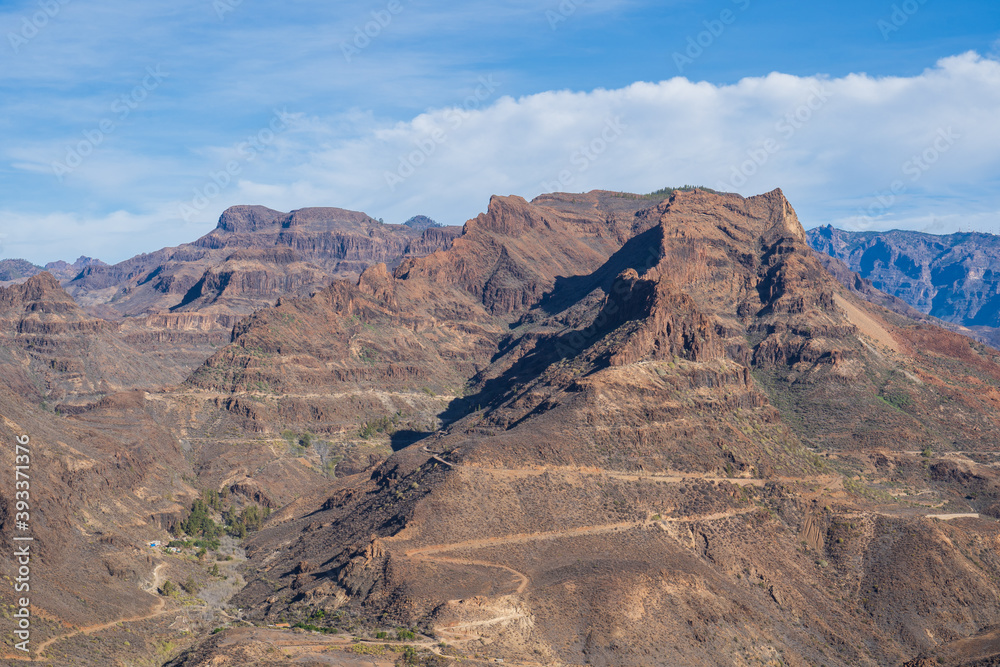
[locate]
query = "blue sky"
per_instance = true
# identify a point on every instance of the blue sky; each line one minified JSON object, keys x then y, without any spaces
{"x":125,"y":126}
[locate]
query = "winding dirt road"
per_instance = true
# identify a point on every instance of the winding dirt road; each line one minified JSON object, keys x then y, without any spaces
{"x":159,"y":610}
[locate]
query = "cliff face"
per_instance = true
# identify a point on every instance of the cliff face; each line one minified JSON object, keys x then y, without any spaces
{"x":253,"y":257}
{"x":52,"y":351}
{"x":955,"y":277}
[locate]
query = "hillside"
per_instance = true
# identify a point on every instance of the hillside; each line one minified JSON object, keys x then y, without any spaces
{"x":52,"y":352}
{"x":658,"y":444}
{"x":593,"y":429}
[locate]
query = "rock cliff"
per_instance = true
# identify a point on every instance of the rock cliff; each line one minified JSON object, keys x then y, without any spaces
{"x":955,"y":277}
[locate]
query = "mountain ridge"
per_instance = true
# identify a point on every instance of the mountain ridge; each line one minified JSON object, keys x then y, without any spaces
{"x":594,"y":428}
{"x":953,"y":277}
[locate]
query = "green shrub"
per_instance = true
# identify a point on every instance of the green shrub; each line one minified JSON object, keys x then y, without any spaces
{"x":408,"y":657}
{"x":387,"y":425}
{"x":212,"y":544}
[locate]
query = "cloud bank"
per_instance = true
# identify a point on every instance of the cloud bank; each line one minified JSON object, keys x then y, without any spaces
{"x":859,"y":152}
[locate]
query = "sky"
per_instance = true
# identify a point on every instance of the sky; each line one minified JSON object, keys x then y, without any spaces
{"x":126,"y":127}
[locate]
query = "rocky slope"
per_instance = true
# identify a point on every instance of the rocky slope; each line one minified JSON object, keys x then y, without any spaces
{"x":955,"y":277}
{"x":864,"y":288}
{"x":149,"y":321}
{"x":100,"y":485}
{"x":370,"y":365}
{"x":51,"y":351}
{"x":654,"y":469}
{"x":626,"y":431}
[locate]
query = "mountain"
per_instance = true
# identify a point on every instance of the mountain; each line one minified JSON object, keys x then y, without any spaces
{"x":954,"y":277}
{"x":591,"y":429}
{"x":703,"y":449}
{"x":19,"y":269}
{"x":51,"y":351}
{"x":253,"y":257}
{"x":386,"y":354}
{"x":149,"y":321}
{"x":65,"y":271}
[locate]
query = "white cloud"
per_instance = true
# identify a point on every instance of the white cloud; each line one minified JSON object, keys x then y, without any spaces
{"x":52,"y":236}
{"x":837,"y":147}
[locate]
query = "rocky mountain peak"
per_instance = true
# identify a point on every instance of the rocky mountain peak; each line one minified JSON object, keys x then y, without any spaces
{"x":243,"y":219}
{"x":42,"y":286}
{"x":509,"y":216}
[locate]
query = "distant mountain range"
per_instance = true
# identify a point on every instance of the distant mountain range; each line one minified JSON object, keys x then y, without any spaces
{"x":18,"y":269}
{"x":954,"y":277}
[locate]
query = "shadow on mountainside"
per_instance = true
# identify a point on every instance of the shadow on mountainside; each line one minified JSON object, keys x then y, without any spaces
{"x":579,"y":330}
{"x":618,"y":304}
{"x":642,"y":252}
{"x":404,"y":438}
